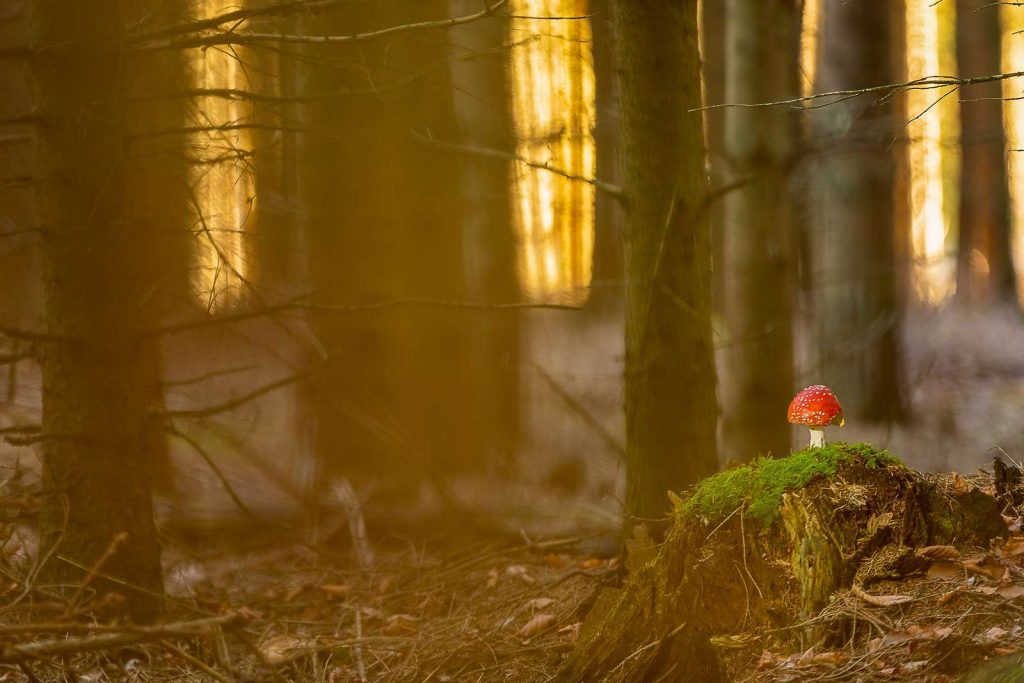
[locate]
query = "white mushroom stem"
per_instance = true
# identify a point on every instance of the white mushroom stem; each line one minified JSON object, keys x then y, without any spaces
{"x":817,"y":437}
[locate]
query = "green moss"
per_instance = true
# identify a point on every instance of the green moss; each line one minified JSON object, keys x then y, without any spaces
{"x":761,"y":483}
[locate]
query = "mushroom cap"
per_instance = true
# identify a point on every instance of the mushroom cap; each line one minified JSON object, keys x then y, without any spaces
{"x":816,"y":406}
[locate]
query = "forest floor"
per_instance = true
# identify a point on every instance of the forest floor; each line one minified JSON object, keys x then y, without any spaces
{"x":447,"y":600}
{"x":447,"y":607}
{"x":468,"y":606}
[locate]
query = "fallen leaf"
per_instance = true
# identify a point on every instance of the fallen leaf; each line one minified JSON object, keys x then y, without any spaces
{"x":960,"y":483}
{"x":572,"y":631}
{"x":280,"y":649}
{"x":492,"y":578}
{"x":336,"y":590}
{"x":554,"y":561}
{"x":914,"y":633}
{"x":768,"y":659}
{"x":880,"y":600}
{"x":985,"y":566}
{"x":944,"y":570}
{"x":538,"y":625}
{"x":939,"y":552}
{"x":829,"y":658}
{"x":371,"y":613}
{"x":400,"y":625}
{"x":1013,"y":547}
{"x":519,"y":571}
{"x":994,"y":633}
{"x":539,"y":604}
{"x":805,"y":656}
{"x":1014,"y":525}
{"x":1010,"y":592}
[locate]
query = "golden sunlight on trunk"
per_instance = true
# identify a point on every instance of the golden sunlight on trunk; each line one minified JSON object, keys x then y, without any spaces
{"x":811,"y":25}
{"x":222,"y":177}
{"x":1013,"y":119}
{"x":933,"y":121}
{"x":553,"y":112}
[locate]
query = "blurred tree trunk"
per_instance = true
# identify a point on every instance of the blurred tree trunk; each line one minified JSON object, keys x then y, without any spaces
{"x":97,"y":271}
{"x":900,"y":145}
{"x":853,"y":211}
{"x":385,"y":224}
{"x":763,"y":48}
{"x":19,"y":248}
{"x":481,"y":110}
{"x":671,"y":409}
{"x":607,"y":207}
{"x":984,"y":259}
{"x":713,"y":65}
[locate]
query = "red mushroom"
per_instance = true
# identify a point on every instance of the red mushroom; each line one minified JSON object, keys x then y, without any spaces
{"x":816,"y":407}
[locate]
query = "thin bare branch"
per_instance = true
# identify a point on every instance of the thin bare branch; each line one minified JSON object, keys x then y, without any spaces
{"x":215,"y":321}
{"x":926,"y":83}
{"x":30,"y":335}
{"x":217,"y":472}
{"x":233,"y":38}
{"x":489,"y":153}
{"x":187,"y":130}
{"x":12,"y":653}
{"x":238,"y":16}
{"x":228,"y":406}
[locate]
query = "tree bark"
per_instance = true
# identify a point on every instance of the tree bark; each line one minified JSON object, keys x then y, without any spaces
{"x":98,"y":262}
{"x":384,"y":225}
{"x":984,"y":259}
{"x":480,"y":104}
{"x":671,"y":409}
{"x":854,"y":238}
{"x":762,"y":44}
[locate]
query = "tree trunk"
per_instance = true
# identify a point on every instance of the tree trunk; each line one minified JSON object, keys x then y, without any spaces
{"x":671,"y":409}
{"x":385,"y":225}
{"x":762,"y":44}
{"x":854,"y":237}
{"x":607,"y":207}
{"x":713,"y":64}
{"x":984,"y":259}
{"x":97,"y":266}
{"x":489,"y":248}
{"x":698,"y":606}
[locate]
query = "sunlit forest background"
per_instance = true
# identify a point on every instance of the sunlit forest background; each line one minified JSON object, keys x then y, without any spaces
{"x":397,"y":261}
{"x":320,"y":261}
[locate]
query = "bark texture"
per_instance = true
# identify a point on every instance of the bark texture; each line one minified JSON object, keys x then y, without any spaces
{"x":759,"y":144}
{"x":671,"y":408}
{"x":853,"y":235}
{"x":985,"y":272}
{"x":97,"y":279}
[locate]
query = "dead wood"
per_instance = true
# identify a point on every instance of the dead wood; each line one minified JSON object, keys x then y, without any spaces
{"x":725,"y":586}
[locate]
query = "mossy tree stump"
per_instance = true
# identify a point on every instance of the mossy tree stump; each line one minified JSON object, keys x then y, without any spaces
{"x":755,"y":553}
